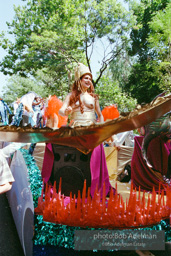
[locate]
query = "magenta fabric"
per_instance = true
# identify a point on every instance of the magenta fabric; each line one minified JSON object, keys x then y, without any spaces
{"x":47,"y":162}
{"x":158,"y":155}
{"x":98,"y":167}
{"x":99,"y":171}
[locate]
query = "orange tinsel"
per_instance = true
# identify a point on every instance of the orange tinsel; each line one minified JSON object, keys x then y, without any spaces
{"x":110,"y":112}
{"x":54,"y":104}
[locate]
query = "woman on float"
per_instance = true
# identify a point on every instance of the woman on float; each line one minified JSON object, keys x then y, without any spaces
{"x":82,"y":104}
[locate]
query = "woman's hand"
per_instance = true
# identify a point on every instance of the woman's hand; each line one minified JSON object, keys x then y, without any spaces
{"x":68,"y":110}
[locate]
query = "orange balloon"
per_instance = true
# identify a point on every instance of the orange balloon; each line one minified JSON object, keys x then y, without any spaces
{"x":110,"y":112}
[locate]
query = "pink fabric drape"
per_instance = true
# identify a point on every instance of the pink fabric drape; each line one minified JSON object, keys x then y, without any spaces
{"x":158,"y":155}
{"x":47,"y":162}
{"x":99,"y":171}
{"x":98,"y":167}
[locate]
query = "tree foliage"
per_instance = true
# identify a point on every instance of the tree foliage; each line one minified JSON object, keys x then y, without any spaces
{"x":160,"y":40}
{"x":17,"y":86}
{"x":146,"y":78}
{"x":110,"y":93}
{"x":121,"y":68}
{"x":53,"y":35}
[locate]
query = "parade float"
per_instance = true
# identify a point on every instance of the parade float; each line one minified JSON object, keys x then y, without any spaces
{"x":64,"y":213}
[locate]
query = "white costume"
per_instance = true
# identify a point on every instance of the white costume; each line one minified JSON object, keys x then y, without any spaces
{"x":27,"y":100}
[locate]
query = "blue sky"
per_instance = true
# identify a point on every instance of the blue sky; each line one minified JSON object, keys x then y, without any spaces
{"x":6,"y":14}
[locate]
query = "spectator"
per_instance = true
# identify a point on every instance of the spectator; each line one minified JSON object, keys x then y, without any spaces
{"x":6,"y":177}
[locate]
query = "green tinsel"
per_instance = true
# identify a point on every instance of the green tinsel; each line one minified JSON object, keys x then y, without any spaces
{"x":46,"y":233}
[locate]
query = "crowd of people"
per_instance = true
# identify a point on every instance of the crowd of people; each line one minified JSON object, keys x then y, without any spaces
{"x":32,"y":109}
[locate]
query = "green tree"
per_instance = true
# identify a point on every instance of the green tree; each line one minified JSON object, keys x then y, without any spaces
{"x":143,"y":82}
{"x":17,"y":86}
{"x":55,"y":34}
{"x":145,"y":78}
{"x":160,"y":40}
{"x":110,"y":93}
{"x":121,"y":68}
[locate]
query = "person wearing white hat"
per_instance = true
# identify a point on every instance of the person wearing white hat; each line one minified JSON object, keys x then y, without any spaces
{"x":82,"y":103}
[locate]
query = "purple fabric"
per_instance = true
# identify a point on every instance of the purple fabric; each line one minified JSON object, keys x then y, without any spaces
{"x":47,"y":162}
{"x":158,"y":155}
{"x":99,"y":171}
{"x":169,"y":160}
{"x":98,"y":167}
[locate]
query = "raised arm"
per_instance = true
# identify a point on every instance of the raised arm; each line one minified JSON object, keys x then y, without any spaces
{"x":65,"y":110}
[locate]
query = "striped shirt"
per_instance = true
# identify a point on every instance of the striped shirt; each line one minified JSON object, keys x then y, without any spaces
{"x":5,"y":172}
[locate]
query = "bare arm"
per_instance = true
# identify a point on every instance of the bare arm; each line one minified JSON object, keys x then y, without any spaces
{"x":28,"y":108}
{"x":65,"y":110}
{"x":6,"y":187}
{"x":98,"y":111}
{"x":37,"y":103}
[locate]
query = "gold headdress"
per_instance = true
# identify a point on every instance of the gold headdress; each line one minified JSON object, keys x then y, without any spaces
{"x":81,"y":70}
